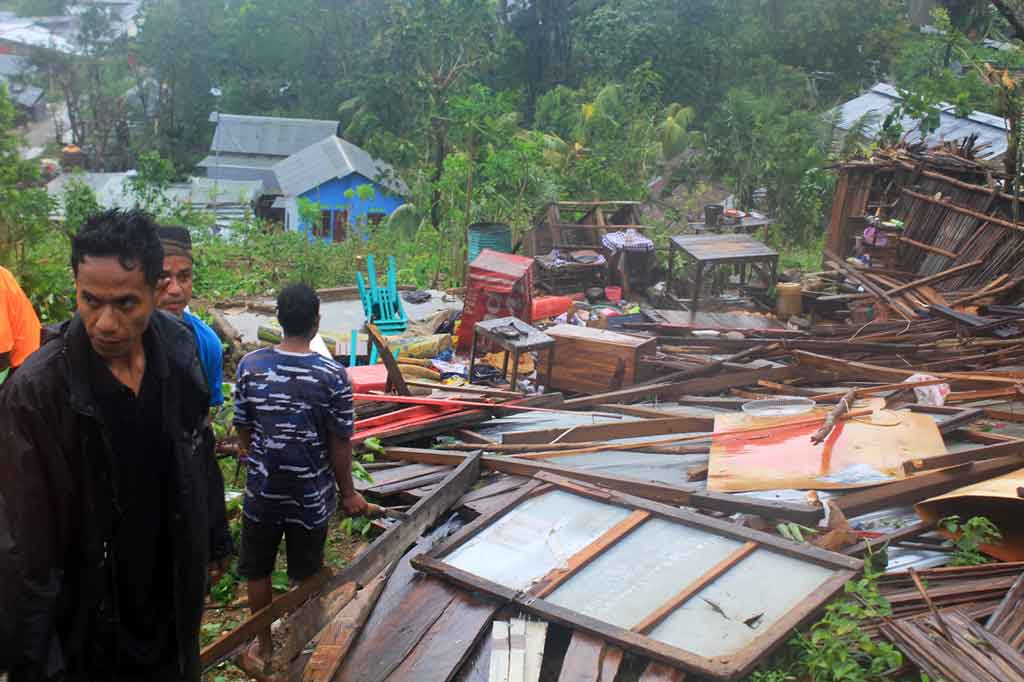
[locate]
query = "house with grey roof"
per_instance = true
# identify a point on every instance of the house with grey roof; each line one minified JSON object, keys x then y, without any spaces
{"x":248,"y":147}
{"x":227,"y":201}
{"x":881,"y":99}
{"x":351,"y":190}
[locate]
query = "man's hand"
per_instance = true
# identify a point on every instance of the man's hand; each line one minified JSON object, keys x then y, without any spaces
{"x":353,"y":504}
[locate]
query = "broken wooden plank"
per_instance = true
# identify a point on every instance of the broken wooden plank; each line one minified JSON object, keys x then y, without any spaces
{"x":517,"y":650}
{"x":536,"y":639}
{"x":500,"y":652}
{"x":923,"y":486}
{"x":395,"y":379}
{"x":336,"y":639}
{"x":659,"y":672}
{"x":610,"y":663}
{"x":714,"y":384}
{"x":225,"y":646}
{"x":582,"y":662}
{"x":651,"y":621}
{"x":611,"y":431}
{"x":863,"y":370}
{"x":985,"y":452}
{"x":449,"y":641}
{"x":407,"y":607}
{"x":387,"y":548}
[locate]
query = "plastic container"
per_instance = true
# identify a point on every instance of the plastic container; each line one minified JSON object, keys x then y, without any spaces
{"x":545,"y":307}
{"x":613,"y":294}
{"x":494,"y":236}
{"x":789,"y":299}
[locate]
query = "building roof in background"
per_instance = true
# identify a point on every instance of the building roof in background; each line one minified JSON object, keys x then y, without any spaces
{"x":28,"y":32}
{"x":227,"y":200}
{"x":332,"y":158}
{"x":267,"y":135}
{"x":251,"y":166}
{"x":882,"y":98}
{"x":27,"y":96}
{"x":11,"y":65}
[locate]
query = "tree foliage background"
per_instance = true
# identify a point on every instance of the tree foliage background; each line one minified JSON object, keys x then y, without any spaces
{"x":489,"y":108}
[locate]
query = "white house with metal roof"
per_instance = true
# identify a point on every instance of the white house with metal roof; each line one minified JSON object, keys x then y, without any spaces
{"x":882,"y":99}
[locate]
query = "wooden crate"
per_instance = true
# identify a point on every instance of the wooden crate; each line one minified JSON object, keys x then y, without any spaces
{"x":587,"y":359}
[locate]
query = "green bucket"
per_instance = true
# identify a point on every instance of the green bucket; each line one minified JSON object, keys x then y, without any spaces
{"x":496,"y":236}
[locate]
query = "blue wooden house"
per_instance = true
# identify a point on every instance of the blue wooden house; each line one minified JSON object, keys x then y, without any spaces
{"x":353,"y":190}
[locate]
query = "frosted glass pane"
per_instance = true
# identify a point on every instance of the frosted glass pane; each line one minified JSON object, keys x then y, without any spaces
{"x":765,"y":584}
{"x":539,"y":535}
{"x":642,"y":571}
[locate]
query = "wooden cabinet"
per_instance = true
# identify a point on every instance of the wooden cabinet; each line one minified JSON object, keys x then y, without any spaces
{"x":591,"y":360}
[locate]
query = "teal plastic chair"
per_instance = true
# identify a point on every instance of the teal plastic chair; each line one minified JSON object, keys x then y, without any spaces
{"x":382,"y":305}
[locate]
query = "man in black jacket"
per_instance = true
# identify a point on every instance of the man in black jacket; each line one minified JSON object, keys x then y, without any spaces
{"x":103,"y":497}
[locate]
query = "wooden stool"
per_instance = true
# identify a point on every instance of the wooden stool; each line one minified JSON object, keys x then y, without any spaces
{"x":529,"y":339}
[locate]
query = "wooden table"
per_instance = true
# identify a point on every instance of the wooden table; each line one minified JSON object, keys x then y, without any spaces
{"x":709,"y":250}
{"x":529,"y":339}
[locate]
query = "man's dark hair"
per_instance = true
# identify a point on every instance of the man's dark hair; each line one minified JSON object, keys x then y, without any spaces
{"x":129,"y":236}
{"x":297,"y":308}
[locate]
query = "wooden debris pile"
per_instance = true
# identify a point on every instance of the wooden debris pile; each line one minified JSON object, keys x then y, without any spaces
{"x":573,"y":535}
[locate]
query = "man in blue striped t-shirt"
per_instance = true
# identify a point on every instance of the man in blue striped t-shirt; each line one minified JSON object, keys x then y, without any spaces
{"x":293,"y":410}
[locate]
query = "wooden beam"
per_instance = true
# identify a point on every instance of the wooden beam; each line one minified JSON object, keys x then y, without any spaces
{"x":863,"y":370}
{"x":690,"y":497}
{"x":986,"y":452}
{"x":928,"y":247}
{"x":963,"y":210}
{"x":714,"y":384}
{"x":222,"y":648}
{"x":582,"y":558}
{"x":611,"y":431}
{"x":336,"y":639}
{"x":500,"y":652}
{"x":582,"y":662}
{"x":923,"y":486}
{"x":387,"y":548}
{"x":395,"y":378}
{"x":652,"y":620}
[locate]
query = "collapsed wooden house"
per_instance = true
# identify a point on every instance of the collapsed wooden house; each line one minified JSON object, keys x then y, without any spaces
{"x":632,"y":520}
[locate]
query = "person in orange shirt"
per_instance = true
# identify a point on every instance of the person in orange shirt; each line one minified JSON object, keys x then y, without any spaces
{"x":19,"y":326}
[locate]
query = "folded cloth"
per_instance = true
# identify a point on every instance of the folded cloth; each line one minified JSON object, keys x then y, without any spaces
{"x":627,"y":240}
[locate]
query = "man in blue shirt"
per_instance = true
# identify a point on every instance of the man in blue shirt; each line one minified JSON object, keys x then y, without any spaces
{"x":293,"y":411}
{"x":173,"y":294}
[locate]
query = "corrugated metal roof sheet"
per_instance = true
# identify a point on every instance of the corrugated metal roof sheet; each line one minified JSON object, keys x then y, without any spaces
{"x":332,"y":158}
{"x":267,"y":135}
{"x":13,"y":65}
{"x":882,"y":98}
{"x":226,"y":200}
{"x":243,"y":167}
{"x":27,"y":32}
{"x":27,"y":96}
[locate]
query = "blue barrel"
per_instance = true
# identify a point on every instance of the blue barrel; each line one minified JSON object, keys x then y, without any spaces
{"x":496,"y":236}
